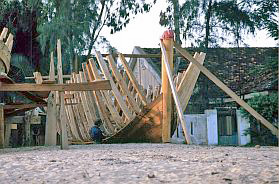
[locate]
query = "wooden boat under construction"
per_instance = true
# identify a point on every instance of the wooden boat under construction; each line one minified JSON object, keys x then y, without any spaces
{"x":102,"y":90}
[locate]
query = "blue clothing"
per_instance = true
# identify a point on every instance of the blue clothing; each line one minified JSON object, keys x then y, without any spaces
{"x":96,"y":134}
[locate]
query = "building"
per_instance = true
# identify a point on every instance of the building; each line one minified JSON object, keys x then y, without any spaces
{"x":221,"y":121}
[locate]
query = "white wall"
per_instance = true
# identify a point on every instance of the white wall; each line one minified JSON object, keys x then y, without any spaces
{"x":212,"y":127}
{"x":242,"y":124}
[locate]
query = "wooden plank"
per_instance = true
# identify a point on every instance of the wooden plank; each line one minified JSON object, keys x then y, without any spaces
{"x":115,"y":91}
{"x":174,"y":92}
{"x":133,"y":79}
{"x":23,"y":106}
{"x":14,"y":120}
{"x":2,"y":138}
{"x":61,"y":110}
{"x":92,"y":74}
{"x":227,"y":90}
{"x":91,"y":86}
{"x":166,"y":90}
{"x":122,"y":84}
{"x":186,"y":87}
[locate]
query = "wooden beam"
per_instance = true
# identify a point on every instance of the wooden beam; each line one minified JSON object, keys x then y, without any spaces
{"x":61,"y":111}
{"x":47,"y":77}
{"x":90,"y":86}
{"x":7,"y":134}
{"x":139,"y":55}
{"x":174,"y":92}
{"x":2,"y":138}
{"x":166,"y":88}
{"x":227,"y":90}
{"x":186,"y":87}
{"x":132,"y":79}
{"x":3,"y":34}
{"x":23,"y":106}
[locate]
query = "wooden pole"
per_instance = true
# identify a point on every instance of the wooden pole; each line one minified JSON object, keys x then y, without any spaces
{"x":2,"y":138}
{"x":51,"y":129}
{"x":7,"y":134}
{"x":174,"y":92}
{"x":61,"y":111}
{"x":166,"y":89}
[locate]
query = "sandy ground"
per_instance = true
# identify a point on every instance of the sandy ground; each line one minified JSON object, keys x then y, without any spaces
{"x":140,"y":163}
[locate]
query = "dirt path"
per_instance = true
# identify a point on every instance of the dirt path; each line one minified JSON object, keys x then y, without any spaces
{"x":140,"y":163}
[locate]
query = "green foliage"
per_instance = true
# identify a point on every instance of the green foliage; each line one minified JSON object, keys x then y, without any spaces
{"x":78,"y":23}
{"x":267,"y":106}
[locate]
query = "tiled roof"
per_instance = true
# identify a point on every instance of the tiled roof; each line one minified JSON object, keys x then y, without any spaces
{"x":234,"y":67}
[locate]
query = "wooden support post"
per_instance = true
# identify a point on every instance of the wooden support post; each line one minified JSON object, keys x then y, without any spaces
{"x":166,"y":89}
{"x":62,"y":119}
{"x":227,"y":90}
{"x":2,"y":138}
{"x":27,"y":130}
{"x":7,"y":134}
{"x":51,"y":129}
{"x":174,"y":92}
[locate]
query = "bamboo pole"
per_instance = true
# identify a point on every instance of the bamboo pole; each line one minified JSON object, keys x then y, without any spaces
{"x":166,"y":89}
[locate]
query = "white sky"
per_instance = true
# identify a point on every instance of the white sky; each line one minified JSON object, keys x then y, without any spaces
{"x":145,"y":31}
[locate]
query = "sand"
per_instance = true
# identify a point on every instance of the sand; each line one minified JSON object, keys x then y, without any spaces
{"x":139,"y":163}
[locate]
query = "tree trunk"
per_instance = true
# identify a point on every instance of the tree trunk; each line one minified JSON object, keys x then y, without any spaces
{"x":207,"y":24}
{"x":176,"y":17}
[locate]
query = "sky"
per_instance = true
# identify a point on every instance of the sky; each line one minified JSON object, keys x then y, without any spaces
{"x":145,"y":31}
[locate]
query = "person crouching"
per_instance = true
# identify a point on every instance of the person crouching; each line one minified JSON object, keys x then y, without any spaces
{"x":96,"y":133}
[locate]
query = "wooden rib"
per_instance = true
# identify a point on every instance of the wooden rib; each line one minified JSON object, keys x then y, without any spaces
{"x":122,"y":84}
{"x":38,"y":77}
{"x":74,"y":117}
{"x":108,"y":100}
{"x":149,"y":94}
{"x":227,"y":90}
{"x":80,"y":109}
{"x":62,"y":119}
{"x":51,"y":68}
{"x":115,"y":91}
{"x":10,"y":41}
{"x":89,"y":95}
{"x":186,"y":87}
{"x":174,"y":92}
{"x":92,"y":73}
{"x":133,"y":79}
{"x":71,"y":118}
{"x":84,"y":101}
{"x":3,"y":33}
{"x":76,"y":111}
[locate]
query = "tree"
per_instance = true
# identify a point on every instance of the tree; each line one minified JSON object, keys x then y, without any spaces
{"x":267,"y":106}
{"x":78,"y":23}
